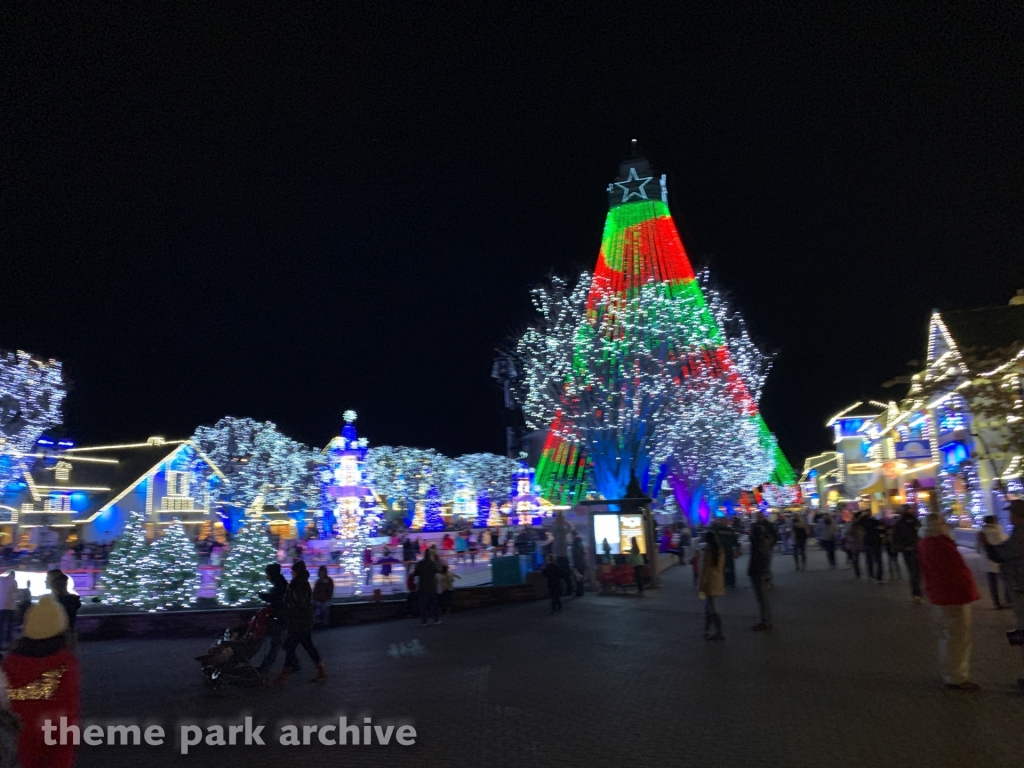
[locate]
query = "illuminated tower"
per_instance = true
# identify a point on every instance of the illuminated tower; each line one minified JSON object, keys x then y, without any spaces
{"x":641,"y":249}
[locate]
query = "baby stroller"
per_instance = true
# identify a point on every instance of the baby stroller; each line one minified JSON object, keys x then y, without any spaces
{"x":229,"y":659}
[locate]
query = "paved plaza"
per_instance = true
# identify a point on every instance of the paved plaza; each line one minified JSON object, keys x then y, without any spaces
{"x":847,"y":678}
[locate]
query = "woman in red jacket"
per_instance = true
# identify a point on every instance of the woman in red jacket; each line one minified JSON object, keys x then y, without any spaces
{"x":43,"y":679}
{"x":950,"y":587}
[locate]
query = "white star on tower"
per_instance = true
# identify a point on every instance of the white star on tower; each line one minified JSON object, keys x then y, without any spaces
{"x":640,"y":192}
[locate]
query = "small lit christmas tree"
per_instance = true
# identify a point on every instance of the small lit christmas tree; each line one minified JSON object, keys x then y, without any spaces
{"x":243,"y":574}
{"x":169,"y":574}
{"x":432,"y":520}
{"x":120,"y":583}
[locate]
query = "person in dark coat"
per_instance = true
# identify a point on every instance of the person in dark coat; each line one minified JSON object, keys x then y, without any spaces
{"x":727,"y":537}
{"x":426,"y":572}
{"x":57,"y":581}
{"x":760,"y":570}
{"x":553,"y":574}
{"x":1010,"y":554}
{"x":298,"y":606}
{"x":874,"y":536}
{"x":905,"y":542}
{"x":275,"y":601}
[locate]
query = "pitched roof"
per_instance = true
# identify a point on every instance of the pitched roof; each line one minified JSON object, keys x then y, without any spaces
{"x":981,"y":333}
{"x":103,"y":472}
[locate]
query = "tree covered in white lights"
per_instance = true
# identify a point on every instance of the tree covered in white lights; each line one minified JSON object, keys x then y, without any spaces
{"x":169,"y":574}
{"x":259,"y":460}
{"x":399,"y":474}
{"x":243,"y":574}
{"x":545,"y":349}
{"x":488,"y":472}
{"x":121,"y":583}
{"x":31,"y":393}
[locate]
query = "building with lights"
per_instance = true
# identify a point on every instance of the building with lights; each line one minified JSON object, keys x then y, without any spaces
{"x":90,"y":491}
{"x":955,"y":442}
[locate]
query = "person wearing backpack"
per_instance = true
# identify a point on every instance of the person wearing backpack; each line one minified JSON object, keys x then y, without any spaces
{"x":759,"y":570}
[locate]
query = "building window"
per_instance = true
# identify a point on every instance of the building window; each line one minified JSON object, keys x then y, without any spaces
{"x":63,"y":470}
{"x":58,"y":503}
{"x":177,"y":483}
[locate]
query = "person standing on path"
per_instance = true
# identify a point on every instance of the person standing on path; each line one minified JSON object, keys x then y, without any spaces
{"x":991,"y":533}
{"x":553,"y":575}
{"x":892,"y":553}
{"x":825,"y":532}
{"x":905,"y":538}
{"x":759,"y":570}
{"x":560,"y":549}
{"x":800,"y":532}
{"x":874,"y":532}
{"x":323,"y":594}
{"x":426,"y":572}
{"x":712,"y":585}
{"x":298,"y":606}
{"x":951,"y":589}
{"x":637,"y":561}
{"x":1010,"y":554}
{"x":730,"y":543}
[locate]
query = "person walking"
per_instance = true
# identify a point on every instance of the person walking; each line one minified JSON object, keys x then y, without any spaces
{"x":892,"y":553}
{"x":712,"y":585}
{"x":853,"y":542}
{"x":43,"y":683}
{"x":426,"y":572}
{"x":685,"y":536}
{"x":8,"y":607}
{"x":637,"y":561}
{"x":298,"y":606}
{"x":874,"y":532}
{"x":759,"y":569}
{"x":274,"y":598}
{"x":1010,"y":554}
{"x":579,"y":563}
{"x":825,"y":533}
{"x":904,"y":539}
{"x":800,"y":533}
{"x":560,"y":549}
{"x":553,"y":574}
{"x":951,"y":589}
{"x":323,"y":595}
{"x":992,"y":533}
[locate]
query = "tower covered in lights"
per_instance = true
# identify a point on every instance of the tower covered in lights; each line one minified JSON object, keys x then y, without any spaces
{"x":649,"y":361}
{"x":348,"y":496}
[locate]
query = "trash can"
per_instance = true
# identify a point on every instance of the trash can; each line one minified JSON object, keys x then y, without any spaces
{"x":507,"y":571}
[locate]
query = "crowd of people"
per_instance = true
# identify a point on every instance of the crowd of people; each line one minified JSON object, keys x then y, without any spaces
{"x":934,"y":566}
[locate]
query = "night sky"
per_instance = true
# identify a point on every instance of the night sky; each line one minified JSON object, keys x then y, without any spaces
{"x":287,"y":213}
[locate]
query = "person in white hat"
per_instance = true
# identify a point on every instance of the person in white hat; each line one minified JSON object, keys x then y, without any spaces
{"x":43,"y":684}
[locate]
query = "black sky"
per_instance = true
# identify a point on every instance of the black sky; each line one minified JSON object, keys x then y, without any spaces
{"x":286,"y":212}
